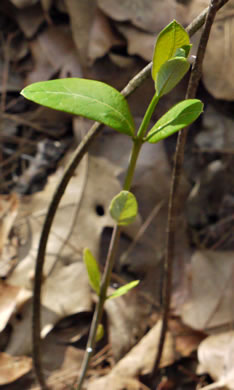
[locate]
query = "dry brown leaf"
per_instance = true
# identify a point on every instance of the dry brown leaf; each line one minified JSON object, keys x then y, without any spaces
{"x":64,"y":266}
{"x":12,"y":368}
{"x":9,"y":205}
{"x":210,"y":281}
{"x":46,"y":4}
{"x":81,"y":15}
{"x":149,"y":15}
{"x":68,"y":239}
{"x":29,"y":19}
{"x":69,"y":359}
{"x":53,"y":51}
{"x":62,"y":295}
{"x":11,"y":299}
{"x":126,"y":322}
{"x":102,"y":38}
{"x":24,"y":3}
{"x":218,"y":71}
{"x":216,"y":356}
{"x":20,"y":342}
{"x":8,"y":211}
{"x":139,"y":361}
{"x":186,"y":339}
{"x":139,"y":42}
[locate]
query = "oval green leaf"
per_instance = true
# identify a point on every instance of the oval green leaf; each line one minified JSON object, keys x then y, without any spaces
{"x":170,"y":74}
{"x":183,"y":51}
{"x":89,"y":98}
{"x":178,"y":117}
{"x":123,"y":289}
{"x":171,"y":38}
{"x":123,"y":208}
{"x":93,"y":270}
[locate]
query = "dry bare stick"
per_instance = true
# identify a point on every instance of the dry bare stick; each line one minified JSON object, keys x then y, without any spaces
{"x":68,"y":173}
{"x":176,"y":175}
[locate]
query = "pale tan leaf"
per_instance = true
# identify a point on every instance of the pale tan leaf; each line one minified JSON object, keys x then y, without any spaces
{"x":12,"y":368}
{"x":11,"y":299}
{"x":126,"y":322}
{"x":218,"y":72}
{"x":102,"y":38}
{"x":81,"y":18}
{"x":24,"y":3}
{"x":139,"y":361}
{"x":29,"y":19}
{"x":139,"y":42}
{"x":147,"y":14}
{"x":216,"y":356}
{"x":210,"y":281}
{"x":9,"y":205}
{"x":53,"y":50}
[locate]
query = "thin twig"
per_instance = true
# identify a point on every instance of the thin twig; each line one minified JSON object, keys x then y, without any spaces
{"x":175,"y":182}
{"x":68,"y":173}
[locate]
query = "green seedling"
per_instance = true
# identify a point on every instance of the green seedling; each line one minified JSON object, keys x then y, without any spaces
{"x":100,"y":102}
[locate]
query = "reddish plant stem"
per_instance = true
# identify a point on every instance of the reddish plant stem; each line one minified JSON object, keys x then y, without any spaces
{"x":175,"y":182}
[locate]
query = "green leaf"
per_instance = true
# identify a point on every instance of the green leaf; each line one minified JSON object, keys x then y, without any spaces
{"x":171,"y":38}
{"x":100,"y":332}
{"x":170,"y":74}
{"x":178,"y":117}
{"x":93,"y":270}
{"x":183,"y":51}
{"x":124,"y":289}
{"x":89,"y":98}
{"x":123,"y":208}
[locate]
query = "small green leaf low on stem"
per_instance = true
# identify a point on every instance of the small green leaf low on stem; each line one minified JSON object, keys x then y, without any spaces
{"x":89,"y":98}
{"x":100,"y":333}
{"x":171,"y":38}
{"x":178,"y":117}
{"x":123,"y":289}
{"x":93,"y":270}
{"x":124,"y":208}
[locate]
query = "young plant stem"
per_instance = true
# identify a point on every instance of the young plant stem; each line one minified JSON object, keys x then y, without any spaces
{"x":145,"y":123}
{"x":106,"y":278}
{"x":175,"y":182}
{"x":82,"y":148}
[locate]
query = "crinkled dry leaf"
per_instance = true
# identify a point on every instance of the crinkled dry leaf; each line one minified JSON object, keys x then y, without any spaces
{"x":78,"y":224}
{"x":218,"y":71}
{"x":29,"y":19}
{"x":139,"y":361}
{"x":216,"y":356}
{"x":67,"y":290}
{"x":186,"y":339}
{"x":13,"y":367}
{"x":69,"y":359}
{"x":8,"y":210}
{"x":46,"y":4}
{"x":53,"y":50}
{"x":147,"y":14}
{"x":126,"y":322}
{"x":23,"y":3}
{"x":210,"y":287}
{"x":11,"y":298}
{"x":20,"y":342}
{"x":79,"y":208}
{"x":102,"y":38}
{"x":9,"y":205}
{"x":139,"y":42}
{"x":81,"y":15}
